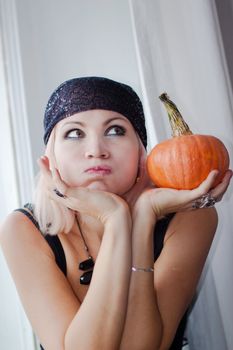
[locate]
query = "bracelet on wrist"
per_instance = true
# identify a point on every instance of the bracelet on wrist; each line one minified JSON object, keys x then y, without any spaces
{"x":142,"y":269}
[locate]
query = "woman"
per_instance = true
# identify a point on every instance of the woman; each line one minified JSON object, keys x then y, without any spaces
{"x":100,"y":260}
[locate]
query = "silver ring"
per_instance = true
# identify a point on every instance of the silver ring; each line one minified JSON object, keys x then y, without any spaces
{"x":59,"y":194}
{"x":205,"y":201}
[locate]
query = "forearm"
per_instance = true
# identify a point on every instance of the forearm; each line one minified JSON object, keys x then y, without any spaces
{"x":100,"y":320}
{"x":143,"y":328}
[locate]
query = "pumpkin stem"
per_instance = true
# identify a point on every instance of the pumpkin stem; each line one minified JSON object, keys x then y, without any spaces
{"x":178,"y":125}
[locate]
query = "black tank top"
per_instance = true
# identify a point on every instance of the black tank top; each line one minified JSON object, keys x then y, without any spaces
{"x":159,"y":233}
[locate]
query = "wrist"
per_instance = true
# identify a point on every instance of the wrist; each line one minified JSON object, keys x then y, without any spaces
{"x":120,"y":215}
{"x":143,"y":210}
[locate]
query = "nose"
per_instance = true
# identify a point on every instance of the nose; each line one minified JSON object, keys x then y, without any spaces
{"x":96,"y":149}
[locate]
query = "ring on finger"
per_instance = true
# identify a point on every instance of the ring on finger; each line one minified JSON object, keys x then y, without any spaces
{"x":59,"y":194}
{"x":205,"y":201}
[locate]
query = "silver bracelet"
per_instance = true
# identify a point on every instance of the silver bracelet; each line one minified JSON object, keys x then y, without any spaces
{"x":142,"y":269}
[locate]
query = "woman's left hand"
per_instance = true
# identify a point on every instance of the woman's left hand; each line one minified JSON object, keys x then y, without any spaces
{"x":162,"y":201}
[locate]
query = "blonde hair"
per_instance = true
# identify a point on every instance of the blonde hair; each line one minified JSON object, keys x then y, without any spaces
{"x":52,"y":217}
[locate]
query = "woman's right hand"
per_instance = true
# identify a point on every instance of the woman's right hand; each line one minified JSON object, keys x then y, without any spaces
{"x":98,"y":204}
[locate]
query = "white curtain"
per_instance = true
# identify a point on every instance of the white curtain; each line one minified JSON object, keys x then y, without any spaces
{"x":15,"y":173}
{"x":180,"y":51}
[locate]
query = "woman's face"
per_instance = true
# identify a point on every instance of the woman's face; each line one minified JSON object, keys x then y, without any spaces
{"x":97,"y":149}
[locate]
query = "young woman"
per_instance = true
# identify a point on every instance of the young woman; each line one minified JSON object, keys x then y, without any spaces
{"x":101,"y":259}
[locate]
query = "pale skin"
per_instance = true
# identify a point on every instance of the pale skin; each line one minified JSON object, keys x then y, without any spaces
{"x":120,"y":309}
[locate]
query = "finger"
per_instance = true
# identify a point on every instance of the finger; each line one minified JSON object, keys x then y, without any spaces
{"x":56,"y":174}
{"x":221,"y":188}
{"x":66,"y":201}
{"x":79,"y":203}
{"x":58,"y":182}
{"x":205,"y":186}
{"x":45,"y":160}
{"x":43,"y":163}
{"x":52,"y":176}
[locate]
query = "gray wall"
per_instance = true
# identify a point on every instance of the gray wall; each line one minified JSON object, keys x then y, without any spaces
{"x":64,"y":39}
{"x":225,"y":15}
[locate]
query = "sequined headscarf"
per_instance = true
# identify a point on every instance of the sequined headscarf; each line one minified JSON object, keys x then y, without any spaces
{"x":87,"y":93}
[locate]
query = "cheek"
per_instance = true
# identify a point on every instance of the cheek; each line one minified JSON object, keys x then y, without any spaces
{"x":129,"y":165}
{"x":64,"y":168}
{"x":66,"y":162}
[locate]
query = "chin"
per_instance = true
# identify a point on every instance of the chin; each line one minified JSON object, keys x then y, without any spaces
{"x":99,"y":186}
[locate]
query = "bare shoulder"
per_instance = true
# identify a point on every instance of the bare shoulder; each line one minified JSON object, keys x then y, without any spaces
{"x":43,"y":289}
{"x":15,"y":222}
{"x":18,"y":230}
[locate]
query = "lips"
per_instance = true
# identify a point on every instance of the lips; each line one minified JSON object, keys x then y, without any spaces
{"x":100,"y":169}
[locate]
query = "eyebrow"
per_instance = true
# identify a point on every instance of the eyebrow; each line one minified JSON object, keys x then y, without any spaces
{"x":108,"y":121}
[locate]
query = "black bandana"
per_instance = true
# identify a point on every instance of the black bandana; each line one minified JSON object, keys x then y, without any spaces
{"x":83,"y":94}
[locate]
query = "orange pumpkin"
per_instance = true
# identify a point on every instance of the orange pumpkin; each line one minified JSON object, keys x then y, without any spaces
{"x":184,"y":161}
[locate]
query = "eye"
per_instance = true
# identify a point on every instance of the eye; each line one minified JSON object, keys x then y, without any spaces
{"x":115,"y":130}
{"x":74,"y":134}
